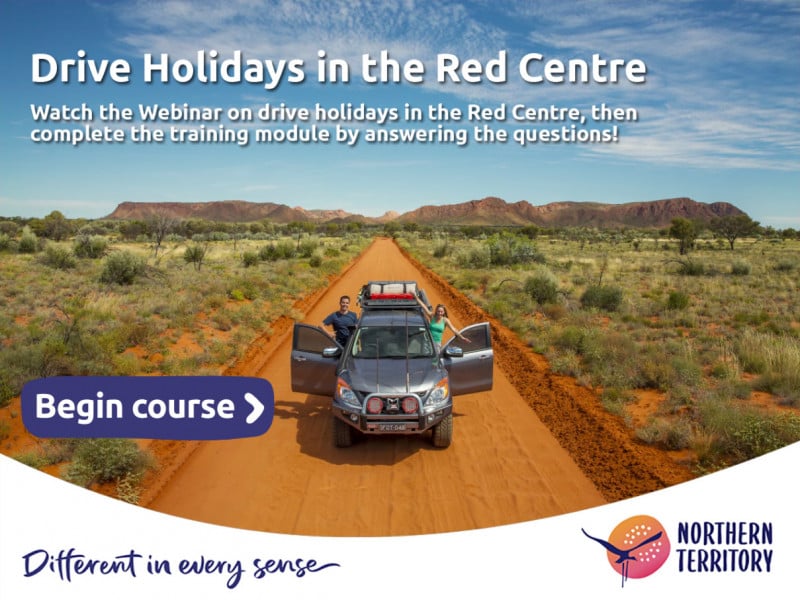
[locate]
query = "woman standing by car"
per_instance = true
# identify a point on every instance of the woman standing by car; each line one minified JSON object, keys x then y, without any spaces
{"x":438,"y":323}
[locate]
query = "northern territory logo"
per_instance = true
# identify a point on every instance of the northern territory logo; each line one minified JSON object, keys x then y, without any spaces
{"x":637,"y":547}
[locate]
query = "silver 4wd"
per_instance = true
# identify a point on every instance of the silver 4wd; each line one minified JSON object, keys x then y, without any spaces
{"x":388,"y":379}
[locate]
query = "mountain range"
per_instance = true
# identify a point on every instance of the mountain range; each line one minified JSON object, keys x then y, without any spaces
{"x":487,"y":211}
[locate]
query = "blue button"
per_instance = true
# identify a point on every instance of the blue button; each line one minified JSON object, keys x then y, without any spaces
{"x":167,"y":408}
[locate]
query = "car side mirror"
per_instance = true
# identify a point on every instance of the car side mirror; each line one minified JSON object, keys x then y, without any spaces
{"x":454,"y":351}
{"x":332,"y":352}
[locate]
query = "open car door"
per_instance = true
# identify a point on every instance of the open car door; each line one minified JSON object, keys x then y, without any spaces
{"x":470,"y":370}
{"x":313,"y":361}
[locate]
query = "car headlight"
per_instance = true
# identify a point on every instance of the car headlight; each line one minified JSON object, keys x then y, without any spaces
{"x":346,"y":394}
{"x":439,"y":395}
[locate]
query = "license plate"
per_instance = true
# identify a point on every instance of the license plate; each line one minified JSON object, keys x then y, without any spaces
{"x":392,"y":427}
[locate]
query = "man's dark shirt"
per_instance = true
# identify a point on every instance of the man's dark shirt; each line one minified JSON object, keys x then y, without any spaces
{"x":342,"y":324}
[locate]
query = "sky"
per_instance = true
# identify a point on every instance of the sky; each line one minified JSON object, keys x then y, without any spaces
{"x":716,"y":109}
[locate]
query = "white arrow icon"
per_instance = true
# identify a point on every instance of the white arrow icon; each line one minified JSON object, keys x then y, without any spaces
{"x":258,"y":408}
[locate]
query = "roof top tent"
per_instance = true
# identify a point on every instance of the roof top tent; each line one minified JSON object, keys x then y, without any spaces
{"x":391,"y":294}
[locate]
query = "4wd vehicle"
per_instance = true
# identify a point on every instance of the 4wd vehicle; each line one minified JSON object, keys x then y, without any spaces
{"x":388,"y":378}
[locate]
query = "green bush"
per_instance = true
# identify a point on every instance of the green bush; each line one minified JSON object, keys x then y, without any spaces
{"x":692,"y":268}
{"x":28,"y":243}
{"x":273,"y":252}
{"x":740,"y":268}
{"x":542,"y":287}
{"x":99,"y":460}
{"x":441,"y":250}
{"x":250,"y":259}
{"x":195,"y":255}
{"x":677,"y":301}
{"x":602,"y":297}
{"x":571,"y":338}
{"x":90,"y":246}
{"x":122,"y":268}
{"x":58,"y":257}
{"x":786,"y":265}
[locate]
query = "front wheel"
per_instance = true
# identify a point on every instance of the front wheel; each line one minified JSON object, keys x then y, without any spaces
{"x":342,"y":433}
{"x":442,"y":432}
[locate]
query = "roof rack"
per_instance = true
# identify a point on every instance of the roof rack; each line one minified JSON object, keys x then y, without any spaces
{"x":389,"y":294}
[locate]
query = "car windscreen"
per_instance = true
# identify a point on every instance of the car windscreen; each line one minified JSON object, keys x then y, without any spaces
{"x":384,"y":341}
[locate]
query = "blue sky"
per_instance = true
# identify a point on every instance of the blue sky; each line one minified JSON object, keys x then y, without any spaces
{"x":717,"y":114}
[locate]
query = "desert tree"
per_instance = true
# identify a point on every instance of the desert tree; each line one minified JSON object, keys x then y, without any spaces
{"x":685,"y":231}
{"x":55,"y":226}
{"x":732,"y":227}
{"x":159,"y":225}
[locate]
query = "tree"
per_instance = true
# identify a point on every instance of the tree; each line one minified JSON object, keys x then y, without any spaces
{"x":159,"y":224}
{"x":685,"y":232}
{"x":55,"y":226}
{"x":732,"y":227}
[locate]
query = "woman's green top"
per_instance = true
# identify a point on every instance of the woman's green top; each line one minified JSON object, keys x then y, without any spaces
{"x":437,"y":330}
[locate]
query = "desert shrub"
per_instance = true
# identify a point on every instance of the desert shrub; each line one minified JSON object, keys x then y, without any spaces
{"x":756,"y":434}
{"x":31,"y":459}
{"x":28,"y":242}
{"x":129,"y":487}
{"x":250,"y":259}
{"x":685,"y":371}
{"x":277,"y":251}
{"x":740,"y":268}
{"x":570,"y":338}
{"x":315,"y":261}
{"x":99,"y":460}
{"x":542,"y":287}
{"x":785,"y":265}
{"x":441,"y":250}
{"x":509,"y":249}
{"x":692,"y":268}
{"x":615,"y":399}
{"x":306,"y":248}
{"x":655,"y":369}
{"x":195,"y":255}
{"x":677,"y":300}
{"x":9,"y":228}
{"x":57,"y":450}
{"x":775,"y":357}
{"x":556,"y":312}
{"x":566,"y":362}
{"x":743,"y":432}
{"x":243,"y":288}
{"x":669,"y":435}
{"x":477,"y":258}
{"x":122,"y":268}
{"x":58,"y":257}
{"x":90,"y":246}
{"x":467,"y":281}
{"x":602,"y":297}
{"x":613,"y":359}
{"x":5,"y":241}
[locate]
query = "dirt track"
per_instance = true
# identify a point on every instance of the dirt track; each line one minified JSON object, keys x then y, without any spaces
{"x":536,"y":446}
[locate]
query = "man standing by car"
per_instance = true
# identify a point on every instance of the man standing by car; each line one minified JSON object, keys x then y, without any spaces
{"x":343,"y":321}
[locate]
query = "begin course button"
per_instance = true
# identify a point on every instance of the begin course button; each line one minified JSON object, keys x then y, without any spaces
{"x":169,"y":407}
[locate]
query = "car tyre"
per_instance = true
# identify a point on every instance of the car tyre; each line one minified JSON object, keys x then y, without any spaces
{"x":342,"y":433}
{"x":442,"y":432}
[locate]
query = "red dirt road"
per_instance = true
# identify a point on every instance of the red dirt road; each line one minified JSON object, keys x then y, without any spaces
{"x":504,"y":466}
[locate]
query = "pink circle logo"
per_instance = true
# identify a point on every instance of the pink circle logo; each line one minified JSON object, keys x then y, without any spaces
{"x":637,"y":547}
